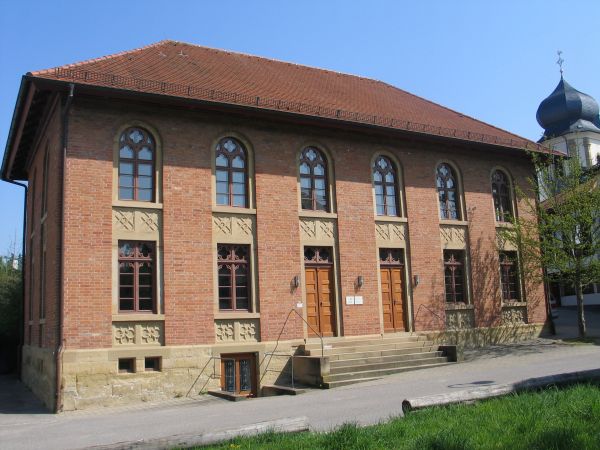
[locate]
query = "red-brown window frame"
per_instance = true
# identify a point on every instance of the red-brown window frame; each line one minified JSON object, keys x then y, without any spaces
{"x":231,"y":262}
{"x":124,"y":139}
{"x":444,"y":210}
{"x":509,"y":275}
{"x":391,"y":168}
{"x":136,"y":260}
{"x":230,"y":170}
{"x":322,"y":160}
{"x":502,"y":196}
{"x":454,"y":260}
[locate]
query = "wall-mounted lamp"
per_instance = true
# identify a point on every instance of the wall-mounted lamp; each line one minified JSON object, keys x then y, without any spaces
{"x":360,"y":281}
{"x":296,"y":282}
{"x":416,"y":280}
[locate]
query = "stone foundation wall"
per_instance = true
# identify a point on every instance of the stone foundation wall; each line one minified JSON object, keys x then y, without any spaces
{"x":38,"y":373}
{"x":481,"y":337}
{"x":91,"y":378}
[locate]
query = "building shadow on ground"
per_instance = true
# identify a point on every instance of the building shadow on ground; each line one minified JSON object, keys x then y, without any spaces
{"x":15,"y":398}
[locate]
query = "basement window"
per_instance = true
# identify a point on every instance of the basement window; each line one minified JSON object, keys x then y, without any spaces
{"x":126,"y":365}
{"x":152,"y":364}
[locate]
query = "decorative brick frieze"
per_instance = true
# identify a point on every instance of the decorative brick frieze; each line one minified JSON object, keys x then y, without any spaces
{"x":390,"y":233}
{"x":514,"y":315}
{"x":460,"y":319}
{"x":236,"y":330}
{"x":318,"y":230}
{"x":233,"y":227}
{"x":138,"y":333}
{"x":454,"y":237}
{"x":136,"y":220}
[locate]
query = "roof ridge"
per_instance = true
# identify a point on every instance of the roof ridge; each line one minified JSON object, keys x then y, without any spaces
{"x":100,"y":58}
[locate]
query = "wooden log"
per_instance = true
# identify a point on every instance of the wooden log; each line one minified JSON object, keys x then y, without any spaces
{"x":285,"y":425}
{"x":471,"y":395}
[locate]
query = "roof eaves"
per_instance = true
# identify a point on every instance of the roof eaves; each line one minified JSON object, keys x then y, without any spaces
{"x":4,"y":171}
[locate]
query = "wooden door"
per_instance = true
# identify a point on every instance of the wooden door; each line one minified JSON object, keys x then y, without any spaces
{"x":392,"y":298}
{"x":320,"y":300}
{"x":238,"y":374}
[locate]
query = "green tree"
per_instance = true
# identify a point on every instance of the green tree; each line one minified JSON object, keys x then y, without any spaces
{"x":10,"y":298}
{"x":565,"y":240}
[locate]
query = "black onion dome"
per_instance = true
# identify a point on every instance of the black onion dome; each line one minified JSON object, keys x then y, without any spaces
{"x":567,"y":110}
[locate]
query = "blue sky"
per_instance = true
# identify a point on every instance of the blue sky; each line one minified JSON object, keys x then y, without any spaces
{"x":492,"y":60}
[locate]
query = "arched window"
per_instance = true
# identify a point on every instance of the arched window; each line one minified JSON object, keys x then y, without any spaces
{"x":137,"y":151}
{"x":313,"y":180}
{"x":502,"y":196}
{"x":231,"y":173}
{"x":386,"y":191}
{"x":448,"y":193}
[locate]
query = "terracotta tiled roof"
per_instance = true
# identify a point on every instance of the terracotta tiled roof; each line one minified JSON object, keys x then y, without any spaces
{"x":190,"y":71}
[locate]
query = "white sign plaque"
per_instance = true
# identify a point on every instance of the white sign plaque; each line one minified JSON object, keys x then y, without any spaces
{"x":358,"y":300}
{"x":349,"y":300}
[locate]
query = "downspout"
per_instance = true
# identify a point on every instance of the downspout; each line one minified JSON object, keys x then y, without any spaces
{"x":59,"y":351}
{"x":22,"y":305}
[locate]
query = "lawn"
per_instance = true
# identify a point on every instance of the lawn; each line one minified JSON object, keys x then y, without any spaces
{"x":552,"y":419}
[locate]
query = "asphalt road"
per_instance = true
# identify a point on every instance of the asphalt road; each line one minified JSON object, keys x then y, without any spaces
{"x":24,"y":425}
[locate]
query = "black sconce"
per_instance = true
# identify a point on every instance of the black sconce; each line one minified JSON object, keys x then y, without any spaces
{"x":417,"y":280}
{"x":360,"y":281}
{"x":296,"y":282}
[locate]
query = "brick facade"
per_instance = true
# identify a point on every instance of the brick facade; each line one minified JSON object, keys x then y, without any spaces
{"x":187,"y":317}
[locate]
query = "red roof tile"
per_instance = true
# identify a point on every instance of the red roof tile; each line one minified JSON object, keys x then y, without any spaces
{"x":190,"y":71}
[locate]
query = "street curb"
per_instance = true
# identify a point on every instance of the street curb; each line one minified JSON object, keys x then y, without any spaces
{"x":471,"y":395}
{"x":285,"y":425}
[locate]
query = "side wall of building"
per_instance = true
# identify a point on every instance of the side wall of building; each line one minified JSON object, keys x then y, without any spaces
{"x":42,"y":258}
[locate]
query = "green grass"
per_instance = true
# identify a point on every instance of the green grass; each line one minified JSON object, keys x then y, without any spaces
{"x":552,"y":419}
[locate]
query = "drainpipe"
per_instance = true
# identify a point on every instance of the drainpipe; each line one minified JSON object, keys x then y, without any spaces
{"x":59,"y":351}
{"x":22,"y":305}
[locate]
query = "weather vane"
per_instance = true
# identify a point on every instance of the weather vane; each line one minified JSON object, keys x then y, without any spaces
{"x":560,"y":62}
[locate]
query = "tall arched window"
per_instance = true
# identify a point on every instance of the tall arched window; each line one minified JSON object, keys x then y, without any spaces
{"x":386,"y":191}
{"x":137,"y":154}
{"x":231,"y":173}
{"x":501,"y":193}
{"x":313,"y":180}
{"x":448,"y":193}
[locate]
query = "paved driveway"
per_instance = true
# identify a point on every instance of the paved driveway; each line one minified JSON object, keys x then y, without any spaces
{"x":23,"y":426}
{"x":566,"y":322}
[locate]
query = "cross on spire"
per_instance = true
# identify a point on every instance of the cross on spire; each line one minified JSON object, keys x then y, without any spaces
{"x":560,"y":62}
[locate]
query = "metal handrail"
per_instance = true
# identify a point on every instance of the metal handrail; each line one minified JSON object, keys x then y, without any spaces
{"x":428,"y":309}
{"x":285,"y":355}
{"x":293,"y":310}
{"x":213,"y":359}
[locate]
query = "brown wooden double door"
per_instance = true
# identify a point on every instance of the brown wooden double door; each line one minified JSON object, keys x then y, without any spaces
{"x":320,"y":292}
{"x":391,"y":263}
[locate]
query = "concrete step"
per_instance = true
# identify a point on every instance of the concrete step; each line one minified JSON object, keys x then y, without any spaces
{"x":332,"y":381}
{"x":378,"y":353}
{"x":359,"y":347}
{"x":353,"y":342}
{"x":423,"y":359}
{"x":335,"y":384}
{"x":383,"y":359}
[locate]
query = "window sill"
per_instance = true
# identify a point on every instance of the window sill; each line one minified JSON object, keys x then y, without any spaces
{"x":504,"y":225}
{"x":514,"y":303}
{"x":309,"y":213}
{"x":462,"y":223}
{"x":142,"y":317}
{"x":390,"y":219}
{"x":233,"y":210}
{"x":136,"y":204}
{"x":236,"y":315}
{"x":458,"y":306}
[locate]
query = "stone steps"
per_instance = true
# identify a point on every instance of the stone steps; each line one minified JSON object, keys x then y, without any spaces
{"x":356,"y":371}
{"x":376,"y":375}
{"x":354,"y":360}
{"x":368,"y":347}
{"x":394,"y":358}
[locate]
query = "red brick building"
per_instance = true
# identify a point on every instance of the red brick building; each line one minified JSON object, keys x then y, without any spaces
{"x":182,"y":201}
